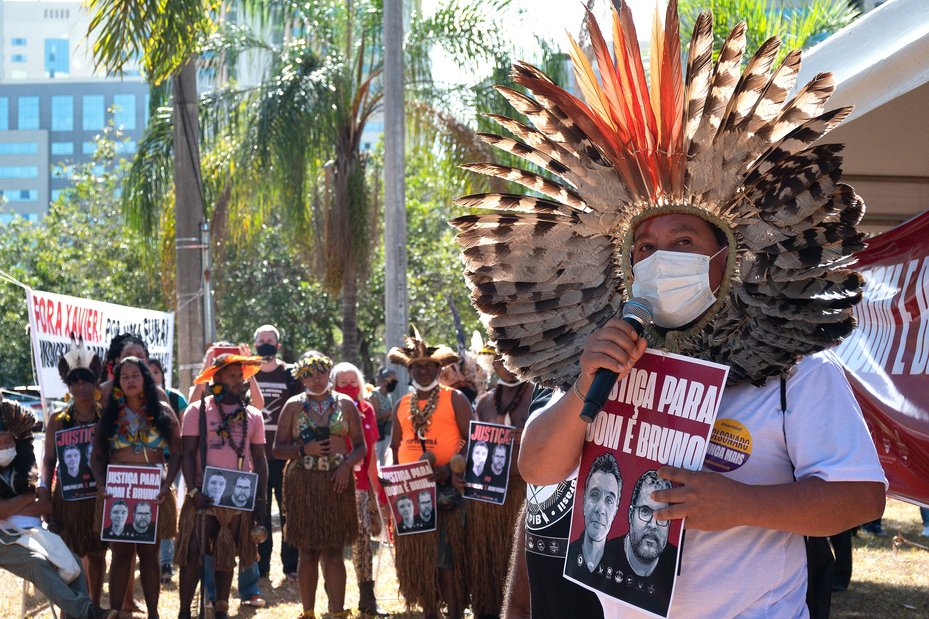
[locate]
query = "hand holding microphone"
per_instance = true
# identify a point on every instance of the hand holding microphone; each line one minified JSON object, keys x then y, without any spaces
{"x":637,"y":313}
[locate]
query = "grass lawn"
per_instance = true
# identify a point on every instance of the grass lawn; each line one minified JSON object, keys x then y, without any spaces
{"x":886,"y":582}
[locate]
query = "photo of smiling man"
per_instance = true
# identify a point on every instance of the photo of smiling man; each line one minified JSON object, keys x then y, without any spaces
{"x":592,"y":558}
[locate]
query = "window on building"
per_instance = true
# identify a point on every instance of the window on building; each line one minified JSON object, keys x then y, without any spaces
{"x":89,"y":148}
{"x":23,"y":171}
{"x":21,"y":195}
{"x":62,"y":148}
{"x":125,"y":148}
{"x":18,"y":58}
{"x":63,"y":113}
{"x":32,"y":218}
{"x":6,"y":218}
{"x":57,"y":57}
{"x":93,"y":113}
{"x":4,"y":114}
{"x":124,"y":116}
{"x":55,"y":194}
{"x":28,"y":113}
{"x":19,"y":148}
{"x":18,"y":42}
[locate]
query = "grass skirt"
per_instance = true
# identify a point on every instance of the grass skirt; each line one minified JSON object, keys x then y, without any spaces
{"x":72,"y":520}
{"x":317,"y":517}
{"x":418,"y":560}
{"x":490,"y":540}
{"x":233,"y":539}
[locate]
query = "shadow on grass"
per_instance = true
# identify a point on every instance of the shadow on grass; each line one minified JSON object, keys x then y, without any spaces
{"x":870,"y":599}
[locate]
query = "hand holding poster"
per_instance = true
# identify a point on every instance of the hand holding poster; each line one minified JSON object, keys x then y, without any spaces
{"x":130,"y":510}
{"x":73,"y":447}
{"x":661,"y":414}
{"x":411,"y":495}
{"x":230,"y":488}
{"x":487,"y":475}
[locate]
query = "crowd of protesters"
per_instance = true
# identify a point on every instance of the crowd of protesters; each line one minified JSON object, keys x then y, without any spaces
{"x":309,"y":435}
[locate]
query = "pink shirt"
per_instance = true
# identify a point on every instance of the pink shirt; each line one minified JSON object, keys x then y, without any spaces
{"x":218,"y":453}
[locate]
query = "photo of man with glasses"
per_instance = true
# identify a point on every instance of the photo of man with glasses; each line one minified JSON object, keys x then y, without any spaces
{"x":648,"y":562}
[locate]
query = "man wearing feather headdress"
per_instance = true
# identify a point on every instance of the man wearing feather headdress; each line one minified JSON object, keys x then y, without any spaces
{"x":703,"y":194}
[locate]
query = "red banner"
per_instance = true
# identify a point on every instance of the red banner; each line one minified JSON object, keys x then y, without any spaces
{"x":887,"y":357}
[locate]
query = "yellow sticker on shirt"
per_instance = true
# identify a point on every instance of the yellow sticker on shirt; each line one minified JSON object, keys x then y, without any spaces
{"x":730,"y":446}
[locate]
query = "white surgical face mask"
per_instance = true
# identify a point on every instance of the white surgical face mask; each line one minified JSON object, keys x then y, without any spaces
{"x":676,"y":284}
{"x":319,"y":393}
{"x":429,"y":387}
{"x":7,"y":456}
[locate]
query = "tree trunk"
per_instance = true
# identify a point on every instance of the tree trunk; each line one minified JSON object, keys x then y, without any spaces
{"x":188,"y":215}
{"x":350,"y":316}
{"x":395,"y":258}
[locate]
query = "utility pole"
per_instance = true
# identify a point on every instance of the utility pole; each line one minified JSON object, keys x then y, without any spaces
{"x":395,"y":287}
{"x":188,"y":217}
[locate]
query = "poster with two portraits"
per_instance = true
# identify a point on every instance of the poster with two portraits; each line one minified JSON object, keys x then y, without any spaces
{"x":490,"y":450}
{"x":661,"y":414}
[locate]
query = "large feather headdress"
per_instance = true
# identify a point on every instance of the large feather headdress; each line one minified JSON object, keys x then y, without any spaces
{"x":728,"y":147}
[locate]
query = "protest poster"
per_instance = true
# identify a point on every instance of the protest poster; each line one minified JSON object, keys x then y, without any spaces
{"x":73,"y":447}
{"x":130,"y":510}
{"x":487,"y":475}
{"x":411,"y":495}
{"x":55,"y":318}
{"x":661,"y":414}
{"x":230,"y":488}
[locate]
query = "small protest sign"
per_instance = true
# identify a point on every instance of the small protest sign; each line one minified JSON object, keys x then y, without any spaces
{"x":411,"y":495}
{"x":130,"y":511}
{"x":230,"y":488}
{"x":490,"y":447}
{"x":73,"y":447}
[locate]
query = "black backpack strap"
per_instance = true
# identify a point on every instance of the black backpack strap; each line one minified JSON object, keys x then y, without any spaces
{"x":820,"y":561}
{"x":202,"y":421}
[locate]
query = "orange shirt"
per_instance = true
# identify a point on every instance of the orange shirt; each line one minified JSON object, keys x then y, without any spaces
{"x":442,"y":438}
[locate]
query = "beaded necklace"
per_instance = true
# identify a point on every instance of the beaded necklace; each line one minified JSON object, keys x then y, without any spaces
{"x":328,"y":404}
{"x":514,"y":403}
{"x":224,"y":429}
{"x":69,"y":416}
{"x":422,"y":419}
{"x":133,"y":426}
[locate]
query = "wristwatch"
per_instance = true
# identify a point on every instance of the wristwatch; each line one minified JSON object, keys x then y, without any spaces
{"x":192,"y":492}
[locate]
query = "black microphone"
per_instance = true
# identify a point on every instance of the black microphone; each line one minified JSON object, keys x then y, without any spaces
{"x":637,"y":313}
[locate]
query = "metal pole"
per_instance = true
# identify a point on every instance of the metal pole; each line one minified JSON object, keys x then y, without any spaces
{"x":206,"y":284}
{"x":395,"y":286}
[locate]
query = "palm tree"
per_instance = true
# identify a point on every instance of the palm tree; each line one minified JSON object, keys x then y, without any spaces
{"x":293,"y":143}
{"x":799,"y":25}
{"x":165,"y":38}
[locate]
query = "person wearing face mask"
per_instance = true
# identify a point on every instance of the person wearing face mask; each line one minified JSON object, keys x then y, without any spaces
{"x":349,"y":381}
{"x":277,"y":385}
{"x":320,"y":435}
{"x":58,"y":576}
{"x":382,"y":399}
{"x":711,"y":196}
{"x":432,"y":422}
{"x":226,"y":432}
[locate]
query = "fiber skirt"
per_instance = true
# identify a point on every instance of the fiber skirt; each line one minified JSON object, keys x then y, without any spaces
{"x":232,"y":539}
{"x":72,"y":520}
{"x":317,"y":517}
{"x":421,"y":555}
{"x":491,"y":528}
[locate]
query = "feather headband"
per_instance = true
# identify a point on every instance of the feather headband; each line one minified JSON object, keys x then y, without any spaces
{"x":415,"y":350}
{"x":546,"y":270}
{"x":313,"y":364}
{"x":79,"y":362}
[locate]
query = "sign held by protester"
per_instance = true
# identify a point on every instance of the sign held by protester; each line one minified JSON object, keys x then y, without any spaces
{"x":54,"y":318}
{"x":230,"y":488}
{"x":73,"y":447}
{"x":130,"y":510}
{"x":490,"y":450}
{"x":411,"y":494}
{"x":661,"y":414}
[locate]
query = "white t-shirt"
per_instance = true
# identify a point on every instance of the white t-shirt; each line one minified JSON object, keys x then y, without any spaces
{"x":750,"y":572}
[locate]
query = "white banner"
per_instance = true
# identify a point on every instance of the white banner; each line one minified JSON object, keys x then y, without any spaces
{"x":53,"y":318}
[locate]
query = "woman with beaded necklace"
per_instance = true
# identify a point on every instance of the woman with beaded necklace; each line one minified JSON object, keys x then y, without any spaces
{"x":315,"y":432}
{"x":137,"y":428}
{"x":79,"y":369}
